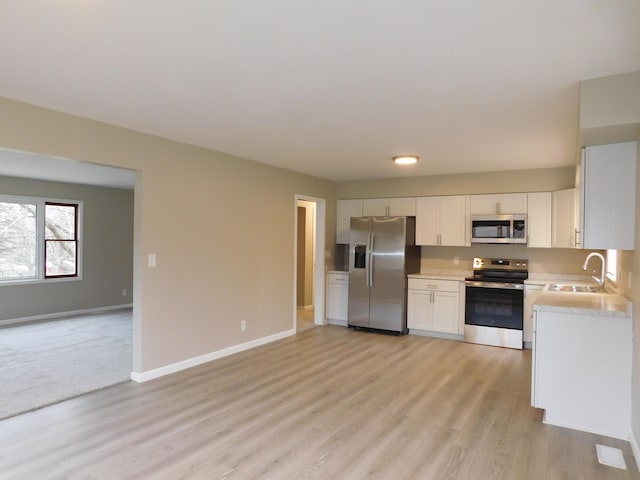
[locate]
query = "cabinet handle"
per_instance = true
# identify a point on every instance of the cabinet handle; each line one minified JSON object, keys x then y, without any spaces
{"x":386,"y":209}
{"x":576,"y":233}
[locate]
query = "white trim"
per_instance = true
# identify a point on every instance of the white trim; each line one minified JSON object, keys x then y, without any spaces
{"x":635,"y":448}
{"x":48,"y":316}
{"x":619,"y":434}
{"x":141,"y":377}
{"x":305,"y":307}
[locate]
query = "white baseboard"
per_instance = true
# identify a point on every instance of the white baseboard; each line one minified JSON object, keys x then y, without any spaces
{"x":635,"y":448}
{"x":48,"y":316}
{"x":304,"y":307}
{"x":141,"y":377}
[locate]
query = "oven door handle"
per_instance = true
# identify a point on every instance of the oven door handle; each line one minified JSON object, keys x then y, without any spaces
{"x":500,"y":285}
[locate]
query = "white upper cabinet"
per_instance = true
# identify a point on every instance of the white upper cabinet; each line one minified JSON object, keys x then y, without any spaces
{"x":564,"y":233}
{"x":539,"y":219}
{"x":405,"y":207}
{"x":370,"y":207}
{"x":500,"y":203}
{"x":608,"y":186}
{"x":441,"y":220}
{"x":346,"y":210}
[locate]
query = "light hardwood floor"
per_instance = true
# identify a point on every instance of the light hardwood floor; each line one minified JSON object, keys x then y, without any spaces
{"x":328,"y":403}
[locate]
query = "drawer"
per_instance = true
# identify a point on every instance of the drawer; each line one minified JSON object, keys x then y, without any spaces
{"x":432,"y":284}
{"x":338,"y":278}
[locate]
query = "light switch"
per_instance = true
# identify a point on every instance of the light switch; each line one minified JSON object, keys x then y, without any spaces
{"x":152,"y":259}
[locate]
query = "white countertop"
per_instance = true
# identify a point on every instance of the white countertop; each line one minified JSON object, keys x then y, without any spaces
{"x":600,"y":304}
{"x":458,"y":275}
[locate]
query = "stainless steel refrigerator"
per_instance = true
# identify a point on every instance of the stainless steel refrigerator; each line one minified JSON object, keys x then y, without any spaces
{"x":382,"y":252}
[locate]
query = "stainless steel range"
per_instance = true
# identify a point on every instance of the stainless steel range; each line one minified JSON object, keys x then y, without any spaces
{"x":494,"y":304}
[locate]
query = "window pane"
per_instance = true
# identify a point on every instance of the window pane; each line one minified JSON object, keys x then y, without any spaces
{"x":60,"y":222}
{"x":17,"y":240}
{"x":61,"y":258}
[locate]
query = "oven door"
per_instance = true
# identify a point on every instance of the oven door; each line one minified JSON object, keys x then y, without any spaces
{"x":494,"y":314}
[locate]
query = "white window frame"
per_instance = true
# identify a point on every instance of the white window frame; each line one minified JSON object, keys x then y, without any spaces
{"x":612,"y":257}
{"x":39,"y":202}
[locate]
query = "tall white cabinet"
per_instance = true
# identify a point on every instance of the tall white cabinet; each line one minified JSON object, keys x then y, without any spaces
{"x":608,"y":182}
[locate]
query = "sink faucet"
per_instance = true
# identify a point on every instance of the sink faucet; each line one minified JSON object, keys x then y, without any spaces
{"x":586,"y":261}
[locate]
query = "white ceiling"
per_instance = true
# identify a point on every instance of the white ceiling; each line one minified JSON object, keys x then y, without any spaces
{"x":332,"y":88}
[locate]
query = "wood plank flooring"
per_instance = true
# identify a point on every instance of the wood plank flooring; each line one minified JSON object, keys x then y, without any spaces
{"x":328,"y":403}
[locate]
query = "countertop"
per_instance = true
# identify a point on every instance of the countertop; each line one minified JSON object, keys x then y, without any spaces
{"x":600,"y":304}
{"x":458,"y":275}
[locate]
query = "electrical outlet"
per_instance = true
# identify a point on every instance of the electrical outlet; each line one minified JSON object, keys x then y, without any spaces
{"x":456,"y":260}
{"x":327,"y":254}
{"x":124,"y":292}
{"x":243,"y":325}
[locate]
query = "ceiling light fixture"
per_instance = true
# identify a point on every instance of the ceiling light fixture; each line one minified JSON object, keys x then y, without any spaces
{"x":406,"y":159}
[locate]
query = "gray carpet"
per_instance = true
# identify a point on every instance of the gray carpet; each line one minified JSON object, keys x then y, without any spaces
{"x":46,"y":362}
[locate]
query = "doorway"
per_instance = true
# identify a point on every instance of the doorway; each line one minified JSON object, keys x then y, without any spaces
{"x":309,"y":270}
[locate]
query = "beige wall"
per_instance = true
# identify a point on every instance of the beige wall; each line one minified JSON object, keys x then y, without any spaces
{"x":222,"y":228}
{"x":540,"y":180}
{"x":107,"y":252}
{"x":610,"y":109}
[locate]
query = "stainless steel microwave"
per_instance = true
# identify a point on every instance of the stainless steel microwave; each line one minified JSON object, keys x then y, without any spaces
{"x":499,"y":229}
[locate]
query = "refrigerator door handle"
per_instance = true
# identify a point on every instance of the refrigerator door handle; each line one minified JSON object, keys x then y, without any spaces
{"x":370,"y":262}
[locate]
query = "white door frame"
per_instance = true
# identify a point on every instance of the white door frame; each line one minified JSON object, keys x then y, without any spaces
{"x":319,"y":270}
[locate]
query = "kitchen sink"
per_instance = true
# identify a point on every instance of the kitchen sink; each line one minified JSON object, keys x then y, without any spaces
{"x":575,"y":288}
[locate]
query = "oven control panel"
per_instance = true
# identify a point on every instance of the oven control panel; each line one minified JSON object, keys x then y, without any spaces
{"x":499,"y":264}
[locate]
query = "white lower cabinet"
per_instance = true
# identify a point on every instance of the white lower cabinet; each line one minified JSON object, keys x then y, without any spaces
{"x":583,"y":381}
{"x":337,"y":297}
{"x":433,"y":305}
{"x":531,"y":292}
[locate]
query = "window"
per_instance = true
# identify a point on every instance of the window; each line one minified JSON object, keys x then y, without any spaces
{"x":39,"y":239}
{"x":612,"y":265}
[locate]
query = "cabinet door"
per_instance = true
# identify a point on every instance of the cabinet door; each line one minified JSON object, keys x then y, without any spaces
{"x":445,"y":312}
{"x":531,"y":292}
{"x":405,"y":207}
{"x":419,"y":310}
{"x":539,"y":219}
{"x":452,"y":220}
{"x":375,"y":207}
{"x":609,"y":196}
{"x":337,"y":301}
{"x":498,"y":203}
{"x":346,"y":210}
{"x":427,"y":230}
{"x":563,"y":232}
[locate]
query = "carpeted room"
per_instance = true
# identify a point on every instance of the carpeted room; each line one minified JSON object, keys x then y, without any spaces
{"x":60,"y":337}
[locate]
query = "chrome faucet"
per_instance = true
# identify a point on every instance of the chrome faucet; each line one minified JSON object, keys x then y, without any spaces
{"x":586,"y":261}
